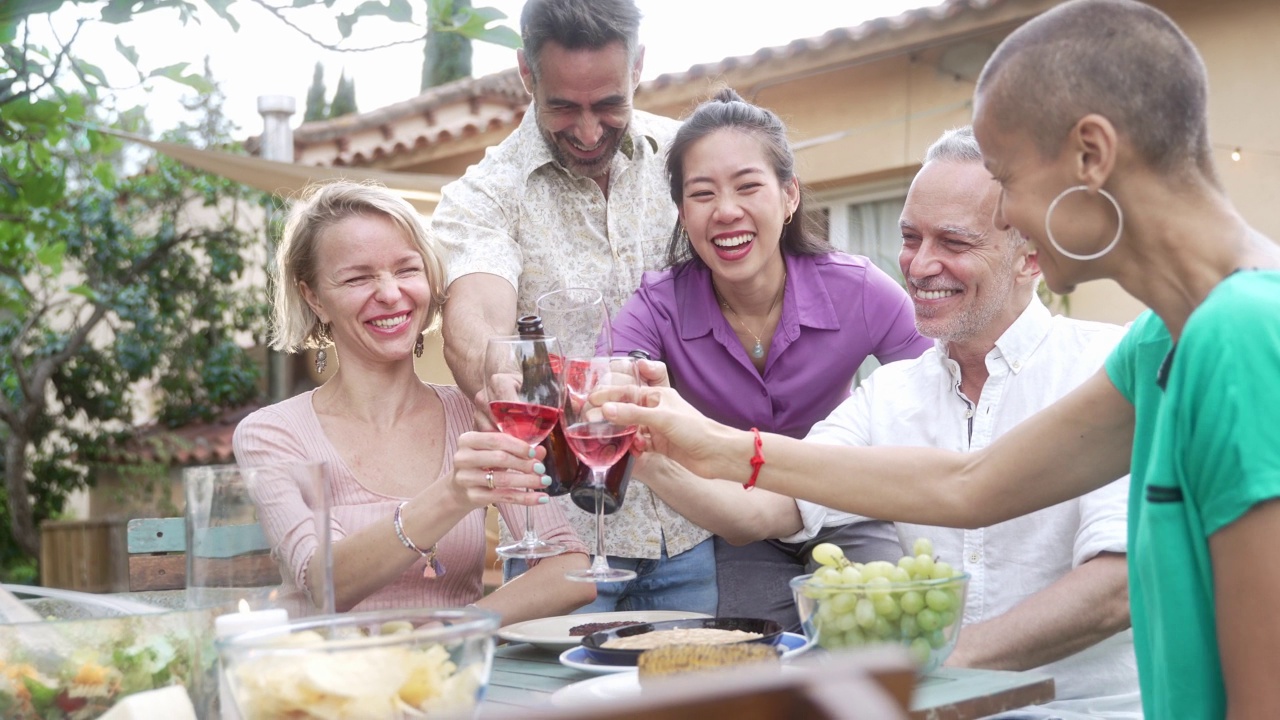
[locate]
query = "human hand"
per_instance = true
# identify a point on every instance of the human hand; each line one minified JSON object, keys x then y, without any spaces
{"x":669,"y":426}
{"x":491,"y":467}
{"x":653,"y":373}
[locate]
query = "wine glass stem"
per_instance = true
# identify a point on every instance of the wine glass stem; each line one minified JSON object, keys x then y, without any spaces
{"x":530,"y":537}
{"x":600,"y":563}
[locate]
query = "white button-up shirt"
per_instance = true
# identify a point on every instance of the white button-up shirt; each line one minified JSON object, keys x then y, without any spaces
{"x":918,"y":402}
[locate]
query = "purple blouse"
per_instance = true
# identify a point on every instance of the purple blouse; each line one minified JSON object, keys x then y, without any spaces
{"x":837,"y":309}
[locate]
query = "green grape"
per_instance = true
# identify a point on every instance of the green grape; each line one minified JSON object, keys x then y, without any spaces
{"x":908,"y":563}
{"x":878,"y":586}
{"x":865,"y":613}
{"x":882,"y":628}
{"x":901,"y":574}
{"x":942,"y":570}
{"x":922,"y":546}
{"x":928,"y":620}
{"x":877,"y":568}
{"x":912,"y":602}
{"x":885,"y":605}
{"x":854,"y":638}
{"x":829,"y":555}
{"x":947,"y":617}
{"x":850,"y":576}
{"x":919,"y":651}
{"x":924,"y":567}
{"x":939,"y":600}
{"x":937,"y":639}
{"x":842,"y":602}
{"x":907,"y":625}
{"x":827,"y":576}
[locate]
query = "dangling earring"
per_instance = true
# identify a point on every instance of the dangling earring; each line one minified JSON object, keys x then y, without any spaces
{"x":417,"y":346}
{"x":322,"y":357}
{"x":1077,"y":256}
{"x":684,"y":234}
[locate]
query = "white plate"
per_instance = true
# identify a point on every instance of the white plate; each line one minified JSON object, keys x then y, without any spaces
{"x":553,"y":633}
{"x":578,"y":659}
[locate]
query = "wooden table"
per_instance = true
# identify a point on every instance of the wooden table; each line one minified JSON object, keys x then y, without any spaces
{"x":525,"y":676}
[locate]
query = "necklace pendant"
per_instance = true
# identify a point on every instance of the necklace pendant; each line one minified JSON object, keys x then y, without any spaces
{"x":757,"y":352}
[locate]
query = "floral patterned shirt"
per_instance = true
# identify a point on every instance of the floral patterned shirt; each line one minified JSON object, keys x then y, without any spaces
{"x":522,"y":216}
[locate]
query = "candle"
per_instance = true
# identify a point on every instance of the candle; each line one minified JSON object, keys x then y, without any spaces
{"x":224,"y":626}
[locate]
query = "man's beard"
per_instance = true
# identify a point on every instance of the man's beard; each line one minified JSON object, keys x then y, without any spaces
{"x":594,"y":168}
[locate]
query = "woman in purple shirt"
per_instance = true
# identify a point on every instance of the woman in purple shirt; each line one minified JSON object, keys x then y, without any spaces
{"x":760,"y":323}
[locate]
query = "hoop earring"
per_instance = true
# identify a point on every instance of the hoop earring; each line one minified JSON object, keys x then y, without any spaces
{"x":417,"y":346}
{"x":1048,"y":215}
{"x":788,"y":220}
{"x":322,"y":357}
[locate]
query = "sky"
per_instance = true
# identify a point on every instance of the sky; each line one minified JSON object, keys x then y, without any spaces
{"x":265,"y":57}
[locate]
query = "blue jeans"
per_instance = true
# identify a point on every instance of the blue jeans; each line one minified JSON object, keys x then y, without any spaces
{"x":685,"y":582}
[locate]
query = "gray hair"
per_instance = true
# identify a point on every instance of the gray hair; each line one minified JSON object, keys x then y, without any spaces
{"x":579,"y":25}
{"x":295,"y":325}
{"x":956,"y":145}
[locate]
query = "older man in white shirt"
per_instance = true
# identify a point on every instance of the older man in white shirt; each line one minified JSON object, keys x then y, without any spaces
{"x":1049,"y":589}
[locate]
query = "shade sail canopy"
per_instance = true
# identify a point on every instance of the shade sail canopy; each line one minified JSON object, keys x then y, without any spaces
{"x":286,"y":179}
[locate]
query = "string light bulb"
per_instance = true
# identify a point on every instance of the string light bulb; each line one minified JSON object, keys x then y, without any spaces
{"x":1235,"y":155}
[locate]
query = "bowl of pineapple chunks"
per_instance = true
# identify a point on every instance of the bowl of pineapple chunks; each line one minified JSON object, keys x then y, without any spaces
{"x":378,"y":665}
{"x":917,"y":602}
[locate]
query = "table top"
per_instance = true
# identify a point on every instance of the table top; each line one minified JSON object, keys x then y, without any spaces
{"x":525,"y":676}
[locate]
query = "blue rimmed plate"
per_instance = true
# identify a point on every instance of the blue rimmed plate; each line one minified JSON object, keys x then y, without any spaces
{"x":577,"y":658}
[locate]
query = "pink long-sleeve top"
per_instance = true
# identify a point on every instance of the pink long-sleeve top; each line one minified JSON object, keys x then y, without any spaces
{"x":291,"y":431}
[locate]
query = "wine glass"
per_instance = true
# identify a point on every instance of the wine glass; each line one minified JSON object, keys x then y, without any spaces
{"x":580,"y":318}
{"x":525,"y":393}
{"x":599,"y":444}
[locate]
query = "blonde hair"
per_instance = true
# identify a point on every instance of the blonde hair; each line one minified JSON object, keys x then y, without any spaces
{"x":295,"y":325}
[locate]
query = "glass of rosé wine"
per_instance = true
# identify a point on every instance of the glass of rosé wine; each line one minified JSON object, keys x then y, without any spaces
{"x":525,"y":390}
{"x":598,"y":443}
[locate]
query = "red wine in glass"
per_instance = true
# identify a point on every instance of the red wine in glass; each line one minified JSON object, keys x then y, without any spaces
{"x":598,"y":444}
{"x":526,"y":421}
{"x":525,"y":392}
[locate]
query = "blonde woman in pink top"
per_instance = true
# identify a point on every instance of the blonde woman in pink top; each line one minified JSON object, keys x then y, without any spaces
{"x":409,"y":479}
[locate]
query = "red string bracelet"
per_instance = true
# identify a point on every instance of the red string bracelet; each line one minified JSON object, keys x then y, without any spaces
{"x":757,"y":461}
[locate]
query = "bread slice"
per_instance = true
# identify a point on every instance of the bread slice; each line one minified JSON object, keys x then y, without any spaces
{"x":675,"y":659}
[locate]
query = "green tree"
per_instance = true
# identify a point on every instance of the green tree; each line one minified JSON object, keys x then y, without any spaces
{"x":344,"y":98}
{"x":104,"y":281}
{"x":446,"y":55}
{"x":317,"y":108}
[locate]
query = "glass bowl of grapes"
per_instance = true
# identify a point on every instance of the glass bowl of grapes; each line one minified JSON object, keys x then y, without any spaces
{"x":917,"y":603}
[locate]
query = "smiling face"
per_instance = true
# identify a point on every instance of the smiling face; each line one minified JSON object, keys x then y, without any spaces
{"x":733,"y":204}
{"x":964,"y":276}
{"x":371,"y":284}
{"x":583,"y":100}
{"x":1027,"y":184}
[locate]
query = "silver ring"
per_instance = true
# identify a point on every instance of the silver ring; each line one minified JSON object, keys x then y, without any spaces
{"x":488,"y":477}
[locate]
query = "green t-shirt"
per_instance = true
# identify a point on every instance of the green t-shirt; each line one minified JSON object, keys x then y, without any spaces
{"x":1206,"y":449}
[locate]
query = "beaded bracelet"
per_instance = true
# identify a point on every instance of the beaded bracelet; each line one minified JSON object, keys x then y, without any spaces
{"x":757,"y":461}
{"x":434,"y":568}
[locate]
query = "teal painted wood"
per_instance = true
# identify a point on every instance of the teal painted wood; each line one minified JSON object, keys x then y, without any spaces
{"x":157,"y":535}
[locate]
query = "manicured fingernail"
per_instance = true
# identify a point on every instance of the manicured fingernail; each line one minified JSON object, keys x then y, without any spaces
{"x":546,"y":480}
{"x":544,"y":500}
{"x":533,"y":451}
{"x":539,"y":468}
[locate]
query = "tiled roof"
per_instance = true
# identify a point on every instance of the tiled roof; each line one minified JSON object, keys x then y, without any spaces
{"x":198,"y":443}
{"x":498,"y":101}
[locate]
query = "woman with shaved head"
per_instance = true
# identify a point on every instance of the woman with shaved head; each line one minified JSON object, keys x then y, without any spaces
{"x":1092,"y":117}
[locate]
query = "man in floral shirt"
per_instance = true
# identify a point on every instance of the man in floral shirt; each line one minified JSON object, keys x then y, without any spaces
{"x":577,"y":196}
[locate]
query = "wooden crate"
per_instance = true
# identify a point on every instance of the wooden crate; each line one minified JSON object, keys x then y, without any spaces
{"x":85,"y":555}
